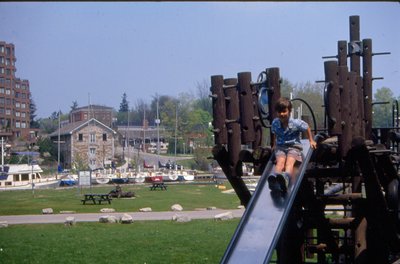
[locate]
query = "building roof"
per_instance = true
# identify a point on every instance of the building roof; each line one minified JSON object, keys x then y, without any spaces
{"x":72,"y":127}
{"x":92,"y":107}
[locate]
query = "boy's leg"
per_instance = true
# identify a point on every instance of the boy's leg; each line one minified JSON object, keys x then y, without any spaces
{"x":294,"y":155}
{"x":284,"y":179}
{"x":289,"y":167}
{"x":280,"y":164}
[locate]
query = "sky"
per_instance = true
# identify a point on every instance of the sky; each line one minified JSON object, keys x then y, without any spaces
{"x":94,"y":52}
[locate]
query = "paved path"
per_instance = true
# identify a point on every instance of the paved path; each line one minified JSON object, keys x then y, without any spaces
{"x":94,"y":217}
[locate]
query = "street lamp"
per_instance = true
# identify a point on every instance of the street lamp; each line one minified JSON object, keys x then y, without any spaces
{"x":176,"y":124}
{"x":158,"y":133}
{"x":32,"y":163}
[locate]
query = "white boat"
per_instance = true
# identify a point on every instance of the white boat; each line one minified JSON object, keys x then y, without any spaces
{"x":170,"y":176}
{"x":69,"y":180}
{"x":23,"y":176}
{"x":187,"y":175}
{"x":101,"y":177}
{"x":102,"y":180}
{"x":140,"y":177}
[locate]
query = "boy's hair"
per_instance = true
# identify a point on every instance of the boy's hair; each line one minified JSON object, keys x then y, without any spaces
{"x":282,"y":104}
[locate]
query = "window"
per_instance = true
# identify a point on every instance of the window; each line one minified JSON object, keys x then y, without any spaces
{"x":8,"y":112}
{"x":92,"y":151}
{"x":23,"y":124}
{"x":17,"y":114}
{"x":17,"y":124}
{"x":92,"y":137}
{"x":104,"y":137}
{"x":8,"y":91}
{"x":80,"y":137}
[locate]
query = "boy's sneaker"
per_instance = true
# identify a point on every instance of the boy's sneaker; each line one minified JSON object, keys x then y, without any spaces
{"x":283,"y":181}
{"x":272,"y":182}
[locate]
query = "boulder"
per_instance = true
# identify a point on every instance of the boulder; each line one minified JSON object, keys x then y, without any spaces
{"x":3,"y":224}
{"x":67,"y":212}
{"x":224,"y":216}
{"x":47,"y":211}
{"x":70,"y":221}
{"x":176,"y":207}
{"x":145,"y":209}
{"x":108,"y":219}
{"x":107,"y":210}
{"x":126,"y":219}
{"x":181,"y":218}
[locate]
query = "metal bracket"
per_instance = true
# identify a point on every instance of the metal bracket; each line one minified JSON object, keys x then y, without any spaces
{"x":355,"y":47}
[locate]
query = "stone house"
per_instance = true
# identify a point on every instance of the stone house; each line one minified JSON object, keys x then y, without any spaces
{"x":88,"y":142}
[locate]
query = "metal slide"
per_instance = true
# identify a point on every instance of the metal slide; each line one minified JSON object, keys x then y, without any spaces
{"x":261,"y":225}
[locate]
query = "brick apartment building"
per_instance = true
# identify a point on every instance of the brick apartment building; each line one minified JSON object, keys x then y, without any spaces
{"x":14,"y":98}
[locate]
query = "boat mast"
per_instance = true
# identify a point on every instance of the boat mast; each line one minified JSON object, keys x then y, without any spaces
{"x":2,"y":154}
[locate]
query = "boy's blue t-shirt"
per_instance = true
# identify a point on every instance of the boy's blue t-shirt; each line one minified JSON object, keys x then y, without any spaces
{"x":292,"y":134}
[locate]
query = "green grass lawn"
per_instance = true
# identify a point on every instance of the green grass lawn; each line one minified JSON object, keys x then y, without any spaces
{"x":198,"y":241}
{"x":190,"y":196}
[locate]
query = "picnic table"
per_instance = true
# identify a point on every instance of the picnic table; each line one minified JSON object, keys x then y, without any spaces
{"x":158,"y":185}
{"x":96,"y":198}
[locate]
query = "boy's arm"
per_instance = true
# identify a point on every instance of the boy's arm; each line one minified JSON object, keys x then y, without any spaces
{"x":313,"y":144}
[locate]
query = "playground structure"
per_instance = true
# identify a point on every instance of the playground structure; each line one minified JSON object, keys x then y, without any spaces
{"x":359,"y":160}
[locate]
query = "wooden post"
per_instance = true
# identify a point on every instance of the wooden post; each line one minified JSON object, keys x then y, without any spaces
{"x":219,"y":112}
{"x":367,"y":83}
{"x":246,"y":107}
{"x":333,"y":98}
{"x":274,"y":93}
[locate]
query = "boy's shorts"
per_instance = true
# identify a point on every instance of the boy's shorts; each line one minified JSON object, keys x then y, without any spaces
{"x":289,"y":151}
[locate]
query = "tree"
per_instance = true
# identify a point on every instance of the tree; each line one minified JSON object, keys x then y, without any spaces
{"x":203,"y":100}
{"x":32,"y":114}
{"x":140,"y":111}
{"x":46,"y":145}
{"x":50,"y":124}
{"x":123,"y":112}
{"x":382,"y":108}
{"x":312,"y":93}
{"x":74,"y":105}
{"x":124,"y":106}
{"x":286,"y":88}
